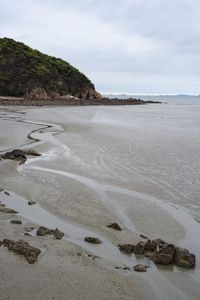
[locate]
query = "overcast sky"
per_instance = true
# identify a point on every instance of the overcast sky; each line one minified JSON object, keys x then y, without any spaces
{"x":125,"y":46}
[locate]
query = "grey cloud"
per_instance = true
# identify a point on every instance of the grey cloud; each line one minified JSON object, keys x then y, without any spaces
{"x":119,"y":44}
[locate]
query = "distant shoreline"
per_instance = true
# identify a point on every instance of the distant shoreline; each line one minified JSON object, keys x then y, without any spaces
{"x":7,"y":101}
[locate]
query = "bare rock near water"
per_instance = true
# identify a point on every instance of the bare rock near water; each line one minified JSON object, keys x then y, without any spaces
{"x":31,"y":202}
{"x":18,"y":222}
{"x":183,"y":258}
{"x":16,"y":154}
{"x":7,"y":210}
{"x":126,"y":248}
{"x":43,"y":231}
{"x":6,"y":193}
{"x":31,"y":152}
{"x":21,"y":247}
{"x":92,"y":240}
{"x":115,"y":226}
{"x":165,"y":256}
{"x":58,"y":235}
{"x":139,"y":248}
{"x":144,"y":236}
{"x":140,"y":268}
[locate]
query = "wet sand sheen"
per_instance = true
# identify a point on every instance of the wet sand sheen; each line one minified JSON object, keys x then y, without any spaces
{"x":105,"y":194}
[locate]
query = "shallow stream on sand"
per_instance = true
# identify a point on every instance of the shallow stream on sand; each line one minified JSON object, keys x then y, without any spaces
{"x":140,"y":163}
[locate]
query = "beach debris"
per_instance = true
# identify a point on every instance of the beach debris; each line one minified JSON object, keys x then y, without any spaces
{"x":92,"y":240}
{"x":165,"y":255}
{"x":126,"y":248}
{"x":6,"y":193}
{"x":56,"y":232}
{"x":18,"y":222}
{"x":183,"y":258}
{"x":21,"y":247}
{"x":114,"y":226}
{"x":139,"y":248}
{"x":140,"y":268}
{"x":31,"y":202}
{"x":7,"y":210}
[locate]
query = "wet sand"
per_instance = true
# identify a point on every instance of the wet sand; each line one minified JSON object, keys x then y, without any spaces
{"x":98,"y":166}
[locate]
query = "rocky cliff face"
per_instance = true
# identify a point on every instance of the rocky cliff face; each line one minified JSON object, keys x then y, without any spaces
{"x":25,"y":72}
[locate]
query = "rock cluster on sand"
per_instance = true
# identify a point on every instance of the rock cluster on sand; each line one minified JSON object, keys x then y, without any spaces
{"x":19,"y":155}
{"x":161,"y":253}
{"x":23,"y":248}
{"x":55,"y":232}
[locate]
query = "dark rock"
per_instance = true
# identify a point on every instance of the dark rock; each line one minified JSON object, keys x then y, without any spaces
{"x":114,"y":226}
{"x":31,"y":202}
{"x":183,"y":258}
{"x":126,"y":248}
{"x":43,"y":231}
{"x":31,"y":152}
{"x":23,"y":248}
{"x":58,"y":235}
{"x":144,"y":236}
{"x":18,"y":222}
{"x":1,"y":243}
{"x":7,"y":210}
{"x":93,"y":240}
{"x":140,"y":268}
{"x":16,"y":154}
{"x":6,"y":193}
{"x":165,"y":255}
{"x":139,"y":248}
{"x":27,"y":234}
{"x":56,"y":232}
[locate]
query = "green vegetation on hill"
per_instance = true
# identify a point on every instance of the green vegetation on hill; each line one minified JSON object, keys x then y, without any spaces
{"x":22,"y":69}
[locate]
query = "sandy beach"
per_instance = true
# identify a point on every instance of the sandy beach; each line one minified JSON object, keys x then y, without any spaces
{"x":134,"y":165}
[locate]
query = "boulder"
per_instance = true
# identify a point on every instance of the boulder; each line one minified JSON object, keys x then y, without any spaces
{"x":139,"y":248}
{"x":126,"y":248}
{"x":165,"y":255}
{"x":140,"y":268}
{"x":31,"y":202}
{"x":92,"y":240}
{"x":115,"y":226}
{"x":183,"y":258}
{"x":23,"y":248}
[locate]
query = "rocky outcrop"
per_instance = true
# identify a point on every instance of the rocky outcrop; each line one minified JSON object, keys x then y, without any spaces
{"x":165,"y":256}
{"x":183,"y":258}
{"x":28,"y":73}
{"x":139,"y":248}
{"x":55,"y":232}
{"x":126,"y":248}
{"x":21,"y":247}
